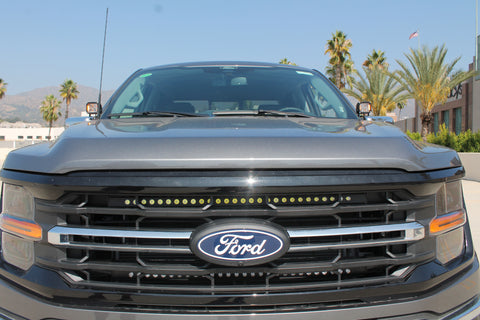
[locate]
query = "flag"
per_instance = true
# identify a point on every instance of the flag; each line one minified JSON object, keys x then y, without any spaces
{"x":413,"y":35}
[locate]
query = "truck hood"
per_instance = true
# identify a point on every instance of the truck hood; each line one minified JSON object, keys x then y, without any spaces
{"x":230,"y":143}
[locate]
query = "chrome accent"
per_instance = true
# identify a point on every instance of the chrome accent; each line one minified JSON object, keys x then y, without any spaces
{"x":54,"y":235}
{"x":60,"y":236}
{"x":410,"y":231}
{"x":415,"y":230}
{"x":126,"y":248}
{"x":73,"y":277}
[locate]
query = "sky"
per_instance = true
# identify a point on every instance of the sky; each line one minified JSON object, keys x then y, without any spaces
{"x":45,"y":42}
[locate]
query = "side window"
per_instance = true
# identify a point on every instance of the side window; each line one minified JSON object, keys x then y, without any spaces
{"x":131,"y":98}
{"x":328,"y":104}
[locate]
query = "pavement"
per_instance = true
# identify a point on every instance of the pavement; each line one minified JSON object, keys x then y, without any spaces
{"x":471,"y":192}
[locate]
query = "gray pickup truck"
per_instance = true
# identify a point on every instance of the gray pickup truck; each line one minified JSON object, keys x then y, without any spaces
{"x":232,"y":190}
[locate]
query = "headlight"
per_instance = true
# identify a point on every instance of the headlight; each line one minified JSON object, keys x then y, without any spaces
{"x":447,"y":225}
{"x":17,"y":251}
{"x":450,"y":245}
{"x":19,"y":228}
{"x":450,"y":213}
{"x":17,"y":201}
{"x":449,"y":198}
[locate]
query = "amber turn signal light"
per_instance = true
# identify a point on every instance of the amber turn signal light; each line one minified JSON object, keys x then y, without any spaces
{"x":448,"y":222}
{"x":20,"y":227}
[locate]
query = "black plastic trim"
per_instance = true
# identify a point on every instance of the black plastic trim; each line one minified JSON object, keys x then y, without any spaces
{"x":232,"y":178}
{"x":58,"y":293}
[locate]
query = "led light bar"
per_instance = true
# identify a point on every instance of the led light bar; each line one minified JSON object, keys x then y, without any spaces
{"x":231,"y":201}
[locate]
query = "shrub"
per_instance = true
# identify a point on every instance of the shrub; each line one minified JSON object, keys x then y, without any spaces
{"x":464,"y":142}
{"x":444,"y":138}
{"x":414,"y":135}
{"x":468,"y":141}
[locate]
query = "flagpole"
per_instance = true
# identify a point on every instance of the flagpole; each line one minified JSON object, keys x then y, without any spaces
{"x":418,"y":39}
{"x":415,"y":35}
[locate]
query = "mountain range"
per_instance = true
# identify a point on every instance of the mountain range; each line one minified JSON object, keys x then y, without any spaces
{"x":25,"y":106}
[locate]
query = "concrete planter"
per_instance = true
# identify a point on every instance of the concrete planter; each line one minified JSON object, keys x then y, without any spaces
{"x":471,"y":163}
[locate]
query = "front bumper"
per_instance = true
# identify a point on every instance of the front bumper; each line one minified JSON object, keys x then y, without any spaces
{"x":459,"y":300}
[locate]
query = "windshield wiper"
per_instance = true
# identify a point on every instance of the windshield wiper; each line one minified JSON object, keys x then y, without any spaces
{"x":282,"y":114}
{"x":262,"y":113}
{"x":153,"y":114}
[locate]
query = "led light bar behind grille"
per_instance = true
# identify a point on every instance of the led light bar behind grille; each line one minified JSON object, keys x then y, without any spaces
{"x":234,"y":201}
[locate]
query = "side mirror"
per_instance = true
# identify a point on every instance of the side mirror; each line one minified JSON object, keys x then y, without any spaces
{"x":71,"y":121}
{"x":364,"y":108}
{"x":381,"y":119}
{"x":93,"y":109}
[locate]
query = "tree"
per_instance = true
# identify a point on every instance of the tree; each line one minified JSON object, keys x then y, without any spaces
{"x":286,"y":61}
{"x":49,"y":110}
{"x":428,"y":79}
{"x":3,"y":88}
{"x":68,"y":91}
{"x":331,"y":72}
{"x":340,"y":62}
{"x":380,"y":88}
{"x":400,"y":107}
{"x":376,"y":58}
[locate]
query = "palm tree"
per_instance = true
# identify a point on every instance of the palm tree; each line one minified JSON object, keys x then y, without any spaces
{"x":3,"y":88}
{"x":428,"y":79}
{"x":331,"y":74}
{"x":286,"y":61}
{"x":340,"y":61}
{"x":68,"y":91}
{"x":348,"y":70}
{"x":376,"y":58}
{"x":49,"y":110}
{"x":378,"y":87}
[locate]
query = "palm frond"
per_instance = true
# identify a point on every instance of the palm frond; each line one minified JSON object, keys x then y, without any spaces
{"x":428,"y":78}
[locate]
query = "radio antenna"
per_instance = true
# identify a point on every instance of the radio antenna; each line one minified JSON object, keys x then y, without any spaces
{"x":103,"y":59}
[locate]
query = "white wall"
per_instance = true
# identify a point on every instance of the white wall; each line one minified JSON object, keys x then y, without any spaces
{"x":471,"y":163}
{"x":12,"y":134}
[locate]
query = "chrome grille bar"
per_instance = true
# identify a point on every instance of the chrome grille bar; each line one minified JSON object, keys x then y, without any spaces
{"x":62,"y":236}
{"x":55,"y":234}
{"x":415,"y":230}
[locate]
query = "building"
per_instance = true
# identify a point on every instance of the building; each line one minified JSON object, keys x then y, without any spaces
{"x":28,"y":132}
{"x":460,"y":113}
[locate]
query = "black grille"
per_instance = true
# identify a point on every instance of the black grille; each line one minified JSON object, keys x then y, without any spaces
{"x":382,"y":252}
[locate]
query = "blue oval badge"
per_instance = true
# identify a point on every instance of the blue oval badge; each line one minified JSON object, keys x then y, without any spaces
{"x":254,"y":242}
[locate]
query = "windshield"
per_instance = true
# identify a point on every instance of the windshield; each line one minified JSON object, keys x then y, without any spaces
{"x":226,"y":91}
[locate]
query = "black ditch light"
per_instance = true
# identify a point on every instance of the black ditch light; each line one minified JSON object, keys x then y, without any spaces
{"x":364,"y":108}
{"x":93,"y":108}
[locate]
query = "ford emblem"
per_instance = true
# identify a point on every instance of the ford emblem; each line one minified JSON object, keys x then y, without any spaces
{"x":239,"y":242}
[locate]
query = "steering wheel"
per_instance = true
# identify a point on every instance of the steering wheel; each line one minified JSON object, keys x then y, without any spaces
{"x":292,"y":109}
